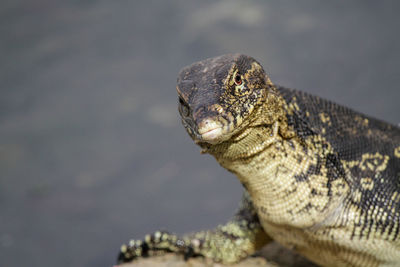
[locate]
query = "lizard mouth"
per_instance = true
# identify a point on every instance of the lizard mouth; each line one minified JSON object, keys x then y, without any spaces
{"x":211,"y":131}
{"x":212,"y":135}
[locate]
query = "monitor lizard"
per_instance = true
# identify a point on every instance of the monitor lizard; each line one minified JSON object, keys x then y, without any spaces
{"x":319,"y":178}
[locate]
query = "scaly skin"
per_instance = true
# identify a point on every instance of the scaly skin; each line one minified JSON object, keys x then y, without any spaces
{"x":320,"y":178}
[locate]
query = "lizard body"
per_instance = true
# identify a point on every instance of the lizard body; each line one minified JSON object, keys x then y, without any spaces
{"x":320,"y":178}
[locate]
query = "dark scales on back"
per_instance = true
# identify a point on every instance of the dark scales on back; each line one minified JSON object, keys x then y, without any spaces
{"x":319,"y":178}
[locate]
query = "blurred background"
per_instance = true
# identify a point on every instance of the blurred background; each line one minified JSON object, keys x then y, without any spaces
{"x":92,"y":152}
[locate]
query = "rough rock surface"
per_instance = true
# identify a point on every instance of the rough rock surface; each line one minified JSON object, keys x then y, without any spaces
{"x":272,"y":255}
{"x":172,"y":260}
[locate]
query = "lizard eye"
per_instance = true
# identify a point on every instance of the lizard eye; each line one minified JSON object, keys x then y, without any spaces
{"x":238,"y":79}
{"x":183,"y":107}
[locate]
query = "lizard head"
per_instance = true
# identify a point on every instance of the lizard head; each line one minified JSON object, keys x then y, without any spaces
{"x":218,"y":96}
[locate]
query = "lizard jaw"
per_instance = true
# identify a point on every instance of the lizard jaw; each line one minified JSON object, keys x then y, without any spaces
{"x":212,"y":135}
{"x":211,"y":131}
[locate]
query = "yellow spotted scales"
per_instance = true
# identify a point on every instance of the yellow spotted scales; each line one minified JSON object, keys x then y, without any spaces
{"x":319,"y":178}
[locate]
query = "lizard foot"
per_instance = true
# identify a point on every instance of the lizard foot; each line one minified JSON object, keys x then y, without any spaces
{"x":154,"y":244}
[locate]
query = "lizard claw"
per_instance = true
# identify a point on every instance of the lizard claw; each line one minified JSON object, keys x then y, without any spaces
{"x":189,"y":253}
{"x":135,"y":249}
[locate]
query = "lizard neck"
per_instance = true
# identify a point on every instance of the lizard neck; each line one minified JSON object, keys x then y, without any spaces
{"x":288,"y":178}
